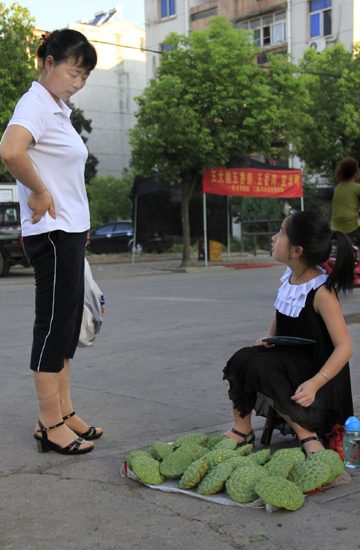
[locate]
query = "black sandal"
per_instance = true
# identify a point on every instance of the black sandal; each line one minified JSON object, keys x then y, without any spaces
{"x":248,"y":438}
{"x":90,"y":434}
{"x":45,"y":445}
{"x":311,"y":438}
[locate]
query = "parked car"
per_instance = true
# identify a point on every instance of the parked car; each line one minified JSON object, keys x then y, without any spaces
{"x":113,"y":237}
{"x":11,"y":250}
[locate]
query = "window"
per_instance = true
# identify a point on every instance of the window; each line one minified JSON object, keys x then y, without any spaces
{"x":167,"y":8}
{"x":165,"y":48}
{"x":203,"y":14}
{"x":121,"y":227}
{"x":267,"y":30}
{"x":320,"y":18}
{"x":106,"y":229}
{"x":9,"y":216}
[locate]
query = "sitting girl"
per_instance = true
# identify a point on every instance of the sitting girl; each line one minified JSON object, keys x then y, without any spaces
{"x":309,"y":385}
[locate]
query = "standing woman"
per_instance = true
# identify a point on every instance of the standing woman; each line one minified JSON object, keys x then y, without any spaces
{"x":346,"y":200}
{"x":42,"y":150}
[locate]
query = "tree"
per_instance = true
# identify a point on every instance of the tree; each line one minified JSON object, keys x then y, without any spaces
{"x":109,"y":198}
{"x":17,"y":54}
{"x":209,"y":99}
{"x":328,"y":125}
{"x":81,"y":123}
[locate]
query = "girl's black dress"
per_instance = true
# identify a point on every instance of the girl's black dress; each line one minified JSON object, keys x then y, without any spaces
{"x":277,"y":372}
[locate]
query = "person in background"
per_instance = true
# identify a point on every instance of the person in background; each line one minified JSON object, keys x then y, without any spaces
{"x":346,"y":200}
{"x":46,"y":156}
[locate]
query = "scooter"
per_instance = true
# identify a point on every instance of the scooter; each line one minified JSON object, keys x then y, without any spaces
{"x":329,"y":264}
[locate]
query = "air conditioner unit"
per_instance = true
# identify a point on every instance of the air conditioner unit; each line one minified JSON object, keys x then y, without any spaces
{"x":318,"y":45}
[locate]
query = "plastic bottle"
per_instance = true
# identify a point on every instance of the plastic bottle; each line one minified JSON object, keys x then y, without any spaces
{"x":352,"y":442}
{"x":102,"y":305}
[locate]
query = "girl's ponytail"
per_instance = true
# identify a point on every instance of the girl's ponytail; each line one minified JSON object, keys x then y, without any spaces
{"x":342,"y":274}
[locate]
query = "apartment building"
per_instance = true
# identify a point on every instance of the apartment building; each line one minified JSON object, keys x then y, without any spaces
{"x":108,"y":97}
{"x":278,"y":26}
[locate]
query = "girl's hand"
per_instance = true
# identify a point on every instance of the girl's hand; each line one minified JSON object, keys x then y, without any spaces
{"x":40,"y":203}
{"x":305,"y":394}
{"x":260,"y":342}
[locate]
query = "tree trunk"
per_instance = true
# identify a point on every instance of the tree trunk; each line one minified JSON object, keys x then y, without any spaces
{"x":186,"y":194}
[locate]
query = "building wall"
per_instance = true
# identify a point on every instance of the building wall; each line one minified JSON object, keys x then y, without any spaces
{"x":356,"y":21}
{"x":198,"y":14}
{"x":345,"y":27}
{"x":157,"y":29}
{"x":108,"y":97}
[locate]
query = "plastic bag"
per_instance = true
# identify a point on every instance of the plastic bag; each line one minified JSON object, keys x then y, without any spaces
{"x":93,"y":310}
{"x":336,"y":439}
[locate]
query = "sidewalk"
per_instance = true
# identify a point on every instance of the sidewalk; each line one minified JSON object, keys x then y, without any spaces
{"x":151,"y":263}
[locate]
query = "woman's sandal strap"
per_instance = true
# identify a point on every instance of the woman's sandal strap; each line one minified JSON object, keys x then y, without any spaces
{"x":91,"y":431}
{"x":74,"y":445}
{"x":43,"y":429}
{"x":69,"y":415}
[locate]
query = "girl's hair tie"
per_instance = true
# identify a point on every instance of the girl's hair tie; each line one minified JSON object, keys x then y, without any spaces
{"x":45,"y":38}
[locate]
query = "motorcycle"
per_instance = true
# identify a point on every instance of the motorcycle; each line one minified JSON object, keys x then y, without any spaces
{"x":329,"y":264}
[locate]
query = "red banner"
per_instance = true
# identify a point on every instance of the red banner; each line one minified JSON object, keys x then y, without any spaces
{"x":253,"y":182}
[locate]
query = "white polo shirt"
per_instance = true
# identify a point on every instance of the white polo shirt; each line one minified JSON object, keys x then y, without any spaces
{"x":59,"y":157}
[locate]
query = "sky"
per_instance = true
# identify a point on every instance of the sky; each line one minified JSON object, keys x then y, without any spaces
{"x":55,"y":14}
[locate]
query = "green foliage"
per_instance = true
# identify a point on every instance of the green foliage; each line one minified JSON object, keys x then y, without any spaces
{"x":260,"y":208}
{"x":312,"y":200}
{"x":17,"y":54}
{"x":90,"y":168}
{"x":235,"y":246}
{"x":81,"y":123}
{"x":328,"y":119}
{"x":109,"y":198}
{"x":209,"y":99}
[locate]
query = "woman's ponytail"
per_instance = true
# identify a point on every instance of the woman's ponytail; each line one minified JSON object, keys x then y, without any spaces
{"x":342,"y":274}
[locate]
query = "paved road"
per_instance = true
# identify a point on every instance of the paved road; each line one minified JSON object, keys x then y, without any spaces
{"x":154,"y":374}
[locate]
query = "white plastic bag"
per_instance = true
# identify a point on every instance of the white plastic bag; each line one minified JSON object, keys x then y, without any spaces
{"x":93,"y":310}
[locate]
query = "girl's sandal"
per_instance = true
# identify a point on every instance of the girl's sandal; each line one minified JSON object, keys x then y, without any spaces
{"x":306,"y":440}
{"x":248,"y":438}
{"x":45,"y":445}
{"x":92,"y":433}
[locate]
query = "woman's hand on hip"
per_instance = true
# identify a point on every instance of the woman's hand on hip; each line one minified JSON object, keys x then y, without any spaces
{"x":40,"y":203}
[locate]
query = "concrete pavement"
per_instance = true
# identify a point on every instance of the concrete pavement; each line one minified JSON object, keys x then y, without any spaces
{"x":153,"y":374}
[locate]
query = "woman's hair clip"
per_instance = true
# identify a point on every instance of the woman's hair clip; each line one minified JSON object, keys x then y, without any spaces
{"x":45,"y":38}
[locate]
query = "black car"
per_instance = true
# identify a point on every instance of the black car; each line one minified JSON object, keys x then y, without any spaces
{"x":113,"y":237}
{"x":11,"y":250}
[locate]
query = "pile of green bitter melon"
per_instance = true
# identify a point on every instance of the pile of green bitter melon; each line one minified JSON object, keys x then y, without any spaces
{"x":214,"y":464}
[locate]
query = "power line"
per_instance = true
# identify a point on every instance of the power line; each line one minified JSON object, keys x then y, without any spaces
{"x":161,"y":53}
{"x":123,"y":46}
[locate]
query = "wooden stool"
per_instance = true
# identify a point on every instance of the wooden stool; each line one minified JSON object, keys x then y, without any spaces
{"x":270,"y":421}
{"x":269,"y":426}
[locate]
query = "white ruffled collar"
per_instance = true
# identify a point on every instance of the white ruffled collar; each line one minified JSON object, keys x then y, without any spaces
{"x":292,"y":298}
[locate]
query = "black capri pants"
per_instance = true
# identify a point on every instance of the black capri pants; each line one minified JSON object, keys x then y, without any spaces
{"x":58,"y":261}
